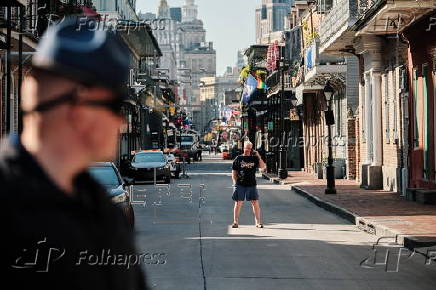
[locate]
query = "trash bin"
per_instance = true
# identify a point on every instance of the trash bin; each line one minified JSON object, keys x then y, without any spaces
{"x":271,"y":163}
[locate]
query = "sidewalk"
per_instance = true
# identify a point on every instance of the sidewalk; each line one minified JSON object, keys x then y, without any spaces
{"x":383,"y":213}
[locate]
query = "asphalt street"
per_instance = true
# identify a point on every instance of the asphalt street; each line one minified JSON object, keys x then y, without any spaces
{"x":301,"y":247}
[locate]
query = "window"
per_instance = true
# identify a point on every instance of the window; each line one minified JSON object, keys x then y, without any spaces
{"x":427,"y":113}
{"x":324,"y":6}
{"x":149,"y":157}
{"x":105,"y":175}
{"x":434,"y":96}
{"x":416,"y":112}
{"x":362,"y":113}
{"x":385,"y":80}
{"x":395,"y":105}
{"x":182,"y":138}
{"x":338,"y":118}
{"x":263,"y":12}
{"x":369,"y":116}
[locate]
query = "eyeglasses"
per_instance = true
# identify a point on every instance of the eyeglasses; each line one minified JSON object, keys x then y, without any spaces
{"x":113,"y":105}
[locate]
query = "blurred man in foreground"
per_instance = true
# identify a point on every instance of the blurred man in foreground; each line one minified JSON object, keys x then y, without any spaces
{"x":60,"y":230}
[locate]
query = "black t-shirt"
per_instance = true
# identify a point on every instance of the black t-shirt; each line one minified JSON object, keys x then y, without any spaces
{"x":246,"y":167}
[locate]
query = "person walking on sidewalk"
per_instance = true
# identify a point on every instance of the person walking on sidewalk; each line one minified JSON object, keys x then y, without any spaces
{"x":57,"y":221}
{"x":244,"y":182}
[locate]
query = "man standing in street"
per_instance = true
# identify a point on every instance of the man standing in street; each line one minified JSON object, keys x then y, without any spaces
{"x":244,"y":182}
{"x":60,"y":230}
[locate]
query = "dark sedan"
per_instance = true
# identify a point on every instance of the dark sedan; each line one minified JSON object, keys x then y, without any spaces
{"x":107,"y":174}
{"x":146,"y":164}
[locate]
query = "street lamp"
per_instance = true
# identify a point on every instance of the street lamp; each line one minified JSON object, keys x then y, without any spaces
{"x":330,"y":120}
{"x":283,"y":171}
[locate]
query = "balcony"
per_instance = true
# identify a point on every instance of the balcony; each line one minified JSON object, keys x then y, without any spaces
{"x":335,"y":32}
{"x":37,"y":15}
{"x":257,"y":55}
{"x":318,"y":67}
{"x":390,"y":17}
{"x":140,"y":38}
{"x":339,"y":27}
{"x":274,"y":82}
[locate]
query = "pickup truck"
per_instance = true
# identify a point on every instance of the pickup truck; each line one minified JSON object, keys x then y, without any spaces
{"x":189,"y":144}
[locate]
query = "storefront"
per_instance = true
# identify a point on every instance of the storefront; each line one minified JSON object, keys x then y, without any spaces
{"x":421,"y":36}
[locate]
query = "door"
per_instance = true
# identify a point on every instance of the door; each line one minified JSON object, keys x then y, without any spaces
{"x":434,"y":115}
{"x":415,"y":154}
{"x":426,"y":172}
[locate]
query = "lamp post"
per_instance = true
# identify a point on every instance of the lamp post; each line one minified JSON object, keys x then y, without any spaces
{"x":330,"y":120}
{"x":283,"y":172}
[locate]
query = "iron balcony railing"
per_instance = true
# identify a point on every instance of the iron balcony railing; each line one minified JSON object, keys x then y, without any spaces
{"x":344,"y":13}
{"x":274,"y":81}
{"x":38,"y":14}
{"x":313,"y":58}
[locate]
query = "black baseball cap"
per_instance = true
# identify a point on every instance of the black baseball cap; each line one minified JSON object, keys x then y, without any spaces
{"x":75,"y":49}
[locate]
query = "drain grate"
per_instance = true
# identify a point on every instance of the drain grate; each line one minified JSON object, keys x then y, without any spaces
{"x":369,"y":228}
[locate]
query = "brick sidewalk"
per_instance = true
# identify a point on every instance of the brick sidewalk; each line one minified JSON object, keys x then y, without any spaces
{"x":384,"y":213}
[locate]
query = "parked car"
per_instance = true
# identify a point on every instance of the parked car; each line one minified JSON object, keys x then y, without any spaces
{"x":144,"y":164}
{"x":174,"y":165}
{"x":107,"y":174}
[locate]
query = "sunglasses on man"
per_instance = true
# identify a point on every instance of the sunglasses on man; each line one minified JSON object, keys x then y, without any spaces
{"x":114,"y":105}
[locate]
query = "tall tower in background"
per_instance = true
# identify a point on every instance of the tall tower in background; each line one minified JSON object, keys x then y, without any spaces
{"x":189,"y":11}
{"x":164,"y":9}
{"x":176,"y":13}
{"x":270,"y":18}
{"x":186,"y":54}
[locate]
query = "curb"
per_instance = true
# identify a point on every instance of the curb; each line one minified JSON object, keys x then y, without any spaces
{"x":362,"y":223}
{"x":343,"y":213}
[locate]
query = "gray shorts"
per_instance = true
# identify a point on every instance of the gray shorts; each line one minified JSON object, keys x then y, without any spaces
{"x":245,"y":193}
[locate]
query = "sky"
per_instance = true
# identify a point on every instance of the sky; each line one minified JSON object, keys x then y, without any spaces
{"x":230,"y":24}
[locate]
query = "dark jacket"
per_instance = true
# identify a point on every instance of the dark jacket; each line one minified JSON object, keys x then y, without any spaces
{"x":54,"y":241}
